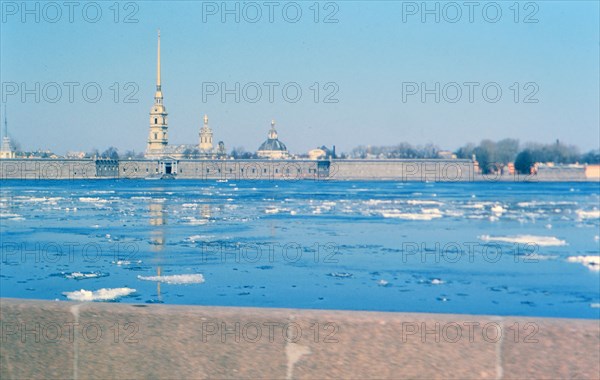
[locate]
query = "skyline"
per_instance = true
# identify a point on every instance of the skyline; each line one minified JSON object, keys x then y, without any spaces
{"x":554,"y":61}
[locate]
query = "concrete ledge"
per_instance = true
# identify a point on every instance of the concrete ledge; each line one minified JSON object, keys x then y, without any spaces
{"x":43,"y":339}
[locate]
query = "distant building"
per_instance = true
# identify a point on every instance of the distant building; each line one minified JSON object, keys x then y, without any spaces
{"x":206,"y":137}
{"x":158,"y":139}
{"x":321,"y":153}
{"x":272,"y":148}
{"x":77,"y":155}
{"x":6,"y":150}
{"x":447,"y":155}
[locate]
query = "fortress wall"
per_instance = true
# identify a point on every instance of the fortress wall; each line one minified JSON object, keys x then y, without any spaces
{"x":47,"y":169}
{"x":291,"y":170}
{"x":403,"y":170}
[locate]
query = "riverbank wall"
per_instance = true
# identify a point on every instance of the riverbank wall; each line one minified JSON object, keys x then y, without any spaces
{"x":89,"y":340}
{"x":292,"y":170}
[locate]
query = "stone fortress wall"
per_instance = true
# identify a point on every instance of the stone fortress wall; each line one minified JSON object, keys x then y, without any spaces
{"x":437,"y":170}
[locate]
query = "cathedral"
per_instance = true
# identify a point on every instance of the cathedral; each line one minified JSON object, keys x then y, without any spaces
{"x":158,"y":140}
{"x":158,"y":147}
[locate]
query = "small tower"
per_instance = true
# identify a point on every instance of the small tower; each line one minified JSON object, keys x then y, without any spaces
{"x":158,"y":137}
{"x":206,"y":137}
{"x":6,"y":150}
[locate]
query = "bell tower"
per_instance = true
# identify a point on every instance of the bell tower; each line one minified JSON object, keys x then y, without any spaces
{"x":206,"y":137}
{"x":158,"y":137}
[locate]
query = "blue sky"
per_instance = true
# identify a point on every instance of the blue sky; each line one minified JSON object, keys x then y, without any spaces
{"x":371,"y":55}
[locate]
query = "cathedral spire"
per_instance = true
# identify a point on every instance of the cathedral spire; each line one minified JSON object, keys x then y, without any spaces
{"x":158,"y":65}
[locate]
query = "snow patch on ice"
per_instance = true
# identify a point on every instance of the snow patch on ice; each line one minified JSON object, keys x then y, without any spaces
{"x":104,"y":294}
{"x":542,"y":241}
{"x":176,"y":279}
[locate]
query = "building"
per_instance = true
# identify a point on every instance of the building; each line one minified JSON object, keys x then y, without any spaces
{"x":206,"y":137}
{"x":158,"y":147}
{"x":6,"y":150}
{"x":321,"y":153}
{"x":272,"y":148}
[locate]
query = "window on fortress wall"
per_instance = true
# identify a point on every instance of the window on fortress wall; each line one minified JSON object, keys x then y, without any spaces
{"x":155,"y":120}
{"x":146,"y":170}
{"x":264,"y":170}
{"x":155,"y":136}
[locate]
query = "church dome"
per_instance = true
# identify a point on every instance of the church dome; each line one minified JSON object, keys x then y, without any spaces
{"x":273,"y":144}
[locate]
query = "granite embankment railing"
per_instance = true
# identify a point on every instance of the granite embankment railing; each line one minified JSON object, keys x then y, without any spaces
{"x":45,"y":339}
{"x":316,"y":170}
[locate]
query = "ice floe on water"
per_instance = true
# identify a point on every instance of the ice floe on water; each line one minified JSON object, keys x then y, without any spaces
{"x":125,"y":262}
{"x":84,"y":275}
{"x":498,"y":210}
{"x":175,"y":279}
{"x":542,"y":241}
{"x":426,"y":214}
{"x":92,"y":200}
{"x":340,"y":274}
{"x":591,"y":262}
{"x":104,"y":294}
{"x":423,"y":202}
{"x":591,"y":214}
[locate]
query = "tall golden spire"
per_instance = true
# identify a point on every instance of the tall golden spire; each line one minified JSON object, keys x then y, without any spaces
{"x":158,"y":65}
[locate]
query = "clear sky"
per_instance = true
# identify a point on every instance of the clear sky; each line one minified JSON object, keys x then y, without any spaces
{"x":370,"y":58}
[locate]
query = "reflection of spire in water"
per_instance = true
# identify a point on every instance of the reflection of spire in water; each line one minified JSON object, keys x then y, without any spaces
{"x":205,"y":211}
{"x":157,"y":235}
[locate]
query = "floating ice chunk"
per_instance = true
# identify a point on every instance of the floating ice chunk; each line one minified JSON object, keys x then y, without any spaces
{"x":542,"y":241}
{"x":340,"y":274}
{"x":595,"y":305}
{"x":92,"y":200}
{"x":427,"y":214}
{"x":593,"y":214}
{"x":497,"y":209}
{"x":125,"y":262}
{"x":84,"y":275}
{"x":424,"y":202}
{"x":272,"y":210}
{"x":194,"y":221}
{"x":104,"y":294}
{"x":382,"y":282}
{"x":375,"y":202}
{"x":436,"y":281}
{"x":195,"y":238}
{"x":9,"y":215}
{"x":176,"y":279}
{"x":591,"y":262}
